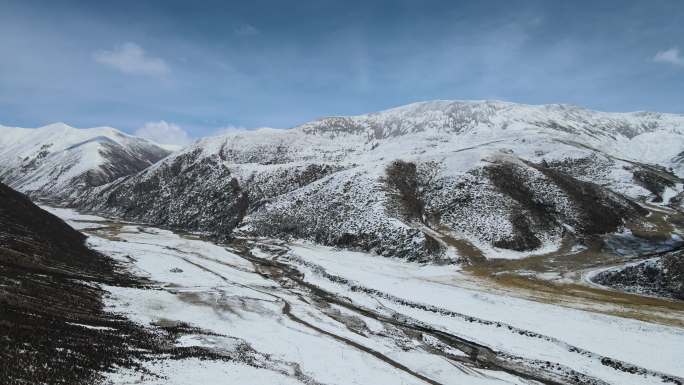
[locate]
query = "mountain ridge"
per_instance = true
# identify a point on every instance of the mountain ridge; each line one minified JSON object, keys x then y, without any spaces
{"x":57,"y":160}
{"x":509,"y":180}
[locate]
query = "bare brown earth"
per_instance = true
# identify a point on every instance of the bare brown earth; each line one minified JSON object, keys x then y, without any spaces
{"x":558,"y":277}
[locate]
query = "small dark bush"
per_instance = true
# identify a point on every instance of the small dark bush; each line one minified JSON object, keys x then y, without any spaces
{"x":401,"y":178}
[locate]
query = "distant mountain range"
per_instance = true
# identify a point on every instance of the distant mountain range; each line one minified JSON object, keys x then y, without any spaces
{"x":58,"y":161}
{"x":432,"y":181}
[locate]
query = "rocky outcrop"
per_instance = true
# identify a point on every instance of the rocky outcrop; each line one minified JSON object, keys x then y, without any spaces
{"x":662,"y":276}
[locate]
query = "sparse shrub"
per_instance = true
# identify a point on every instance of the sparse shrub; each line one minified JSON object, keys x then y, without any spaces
{"x":401,"y":178}
{"x":523,"y":238}
{"x":653,"y":181}
{"x":601,"y":210}
{"x":673,"y":267}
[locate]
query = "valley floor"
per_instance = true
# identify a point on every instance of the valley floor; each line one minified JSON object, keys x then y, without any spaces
{"x":280,"y":313}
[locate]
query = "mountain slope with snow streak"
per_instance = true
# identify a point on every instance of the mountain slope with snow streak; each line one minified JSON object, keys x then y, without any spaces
{"x":59,"y":161}
{"x":505,"y":179}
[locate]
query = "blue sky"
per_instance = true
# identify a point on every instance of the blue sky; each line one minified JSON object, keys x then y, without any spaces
{"x":184,"y":69}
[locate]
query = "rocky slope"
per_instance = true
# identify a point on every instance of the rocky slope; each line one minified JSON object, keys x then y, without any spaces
{"x":662,"y":276}
{"x":59,"y":161}
{"x":54,"y":329}
{"x":489,"y":179}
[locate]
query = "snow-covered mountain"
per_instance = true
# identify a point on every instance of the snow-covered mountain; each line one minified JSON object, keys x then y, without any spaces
{"x":486,"y":178}
{"x":59,"y":161}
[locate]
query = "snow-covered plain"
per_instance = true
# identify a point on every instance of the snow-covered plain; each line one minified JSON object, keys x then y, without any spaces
{"x":651,"y":346}
{"x":341,"y":317}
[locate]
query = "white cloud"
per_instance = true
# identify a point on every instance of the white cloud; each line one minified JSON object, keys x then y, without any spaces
{"x":246,"y":30}
{"x":671,"y":56}
{"x":231,"y":129}
{"x":227,"y":130}
{"x":130,"y":58}
{"x":164,"y":133}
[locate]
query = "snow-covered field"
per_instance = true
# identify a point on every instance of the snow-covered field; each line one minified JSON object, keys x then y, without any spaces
{"x":301,"y":313}
{"x":650,"y":346}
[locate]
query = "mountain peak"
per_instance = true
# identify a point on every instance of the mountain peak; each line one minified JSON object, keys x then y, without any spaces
{"x":58,"y":126}
{"x":83,"y":157}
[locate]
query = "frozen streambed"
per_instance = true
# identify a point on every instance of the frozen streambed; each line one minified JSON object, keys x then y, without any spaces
{"x":281,"y":313}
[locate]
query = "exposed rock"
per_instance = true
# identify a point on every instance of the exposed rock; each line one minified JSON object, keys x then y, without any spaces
{"x":663,"y":276}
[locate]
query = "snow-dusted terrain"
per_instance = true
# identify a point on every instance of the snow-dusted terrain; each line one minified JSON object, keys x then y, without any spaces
{"x":59,"y":161}
{"x":502,"y":180}
{"x":276,"y":312}
{"x":444,"y":242}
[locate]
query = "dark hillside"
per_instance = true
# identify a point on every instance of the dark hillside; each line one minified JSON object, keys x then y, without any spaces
{"x":53,"y":326}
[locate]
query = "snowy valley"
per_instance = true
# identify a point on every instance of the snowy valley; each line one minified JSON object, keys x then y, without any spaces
{"x":443,"y":242}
